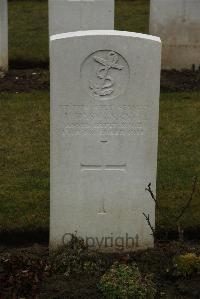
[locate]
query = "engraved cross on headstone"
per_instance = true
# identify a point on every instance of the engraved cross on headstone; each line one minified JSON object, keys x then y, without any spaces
{"x":101,"y":168}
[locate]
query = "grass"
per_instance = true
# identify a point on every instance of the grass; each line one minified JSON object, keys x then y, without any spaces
{"x":28,"y":33}
{"x":28,"y":28}
{"x":178,"y":157}
{"x":132,"y":15}
{"x":24,"y":163}
{"x":24,"y":193}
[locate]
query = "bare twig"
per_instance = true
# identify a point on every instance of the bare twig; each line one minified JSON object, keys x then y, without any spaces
{"x":156,"y":202}
{"x":182,"y":212}
{"x":175,"y":219}
{"x":147,"y":217}
{"x":152,"y":195}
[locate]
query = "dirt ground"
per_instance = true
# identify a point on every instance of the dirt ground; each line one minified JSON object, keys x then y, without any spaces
{"x":37,"y":79}
{"x":24,"y":81}
{"x":26,"y":272}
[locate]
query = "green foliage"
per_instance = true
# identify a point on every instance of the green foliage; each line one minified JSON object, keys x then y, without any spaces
{"x":74,"y":258}
{"x":28,"y":33}
{"x":126,"y":281}
{"x":187,"y":264}
{"x":24,"y":162}
{"x":177,"y":158}
{"x":132,"y":15}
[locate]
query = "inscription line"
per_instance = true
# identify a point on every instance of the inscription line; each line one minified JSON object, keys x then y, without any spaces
{"x":85,"y":167}
{"x":120,"y":167}
{"x":116,"y":167}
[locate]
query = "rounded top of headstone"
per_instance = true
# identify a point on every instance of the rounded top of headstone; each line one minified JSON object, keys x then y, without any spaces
{"x":104,"y":33}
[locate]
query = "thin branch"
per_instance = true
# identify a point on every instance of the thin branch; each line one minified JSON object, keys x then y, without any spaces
{"x":152,"y":195}
{"x":147,"y":217}
{"x":182,"y":212}
{"x":156,"y":202}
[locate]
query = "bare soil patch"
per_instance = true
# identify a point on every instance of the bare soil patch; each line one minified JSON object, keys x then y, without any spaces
{"x":16,"y":81}
{"x":27,"y":272}
{"x":175,"y":81}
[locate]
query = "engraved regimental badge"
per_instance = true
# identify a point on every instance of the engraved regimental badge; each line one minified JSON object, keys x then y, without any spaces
{"x":105,"y":74}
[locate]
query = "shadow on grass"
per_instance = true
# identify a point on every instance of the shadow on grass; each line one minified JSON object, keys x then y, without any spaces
{"x":190,"y":234}
{"x":15,"y":238}
{"x":26,"y":237}
{"x":28,"y":64}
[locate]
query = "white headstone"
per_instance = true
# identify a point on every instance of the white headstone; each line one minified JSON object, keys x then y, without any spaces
{"x":3,"y":35}
{"x":104,"y":125}
{"x":74,"y":15}
{"x":177,"y":23}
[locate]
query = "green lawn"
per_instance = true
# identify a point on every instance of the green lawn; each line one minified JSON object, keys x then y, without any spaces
{"x":24,"y":193}
{"x":132,"y":15}
{"x":24,"y":163}
{"x":179,"y":157}
{"x":28,"y":33}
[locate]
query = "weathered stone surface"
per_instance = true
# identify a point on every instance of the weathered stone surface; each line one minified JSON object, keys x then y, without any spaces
{"x":177,"y":23}
{"x":104,"y":125}
{"x":3,"y":36}
{"x":73,"y":15}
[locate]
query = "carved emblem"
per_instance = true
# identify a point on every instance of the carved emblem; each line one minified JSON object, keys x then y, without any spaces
{"x":105,"y":74}
{"x":105,"y":86}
